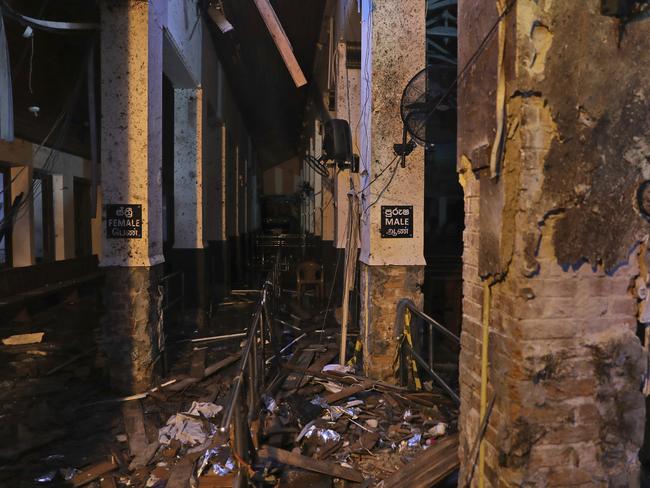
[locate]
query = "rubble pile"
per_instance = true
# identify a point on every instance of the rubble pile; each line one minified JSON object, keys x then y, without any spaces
{"x":315,"y":424}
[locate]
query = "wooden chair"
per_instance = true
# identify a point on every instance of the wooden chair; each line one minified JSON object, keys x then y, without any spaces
{"x":310,"y":274}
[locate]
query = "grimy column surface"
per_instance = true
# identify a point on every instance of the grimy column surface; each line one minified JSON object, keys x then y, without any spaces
{"x":558,"y":234}
{"x":189,"y":253}
{"x":392,"y":265}
{"x":131,"y":83}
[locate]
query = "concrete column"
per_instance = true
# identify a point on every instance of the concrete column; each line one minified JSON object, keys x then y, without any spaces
{"x":348,"y":107}
{"x":131,"y":81}
{"x":393,"y":50}
{"x":189,"y":254}
{"x":22,"y":234}
{"x":59,"y":217}
{"x":555,"y":232}
{"x":222,"y":252}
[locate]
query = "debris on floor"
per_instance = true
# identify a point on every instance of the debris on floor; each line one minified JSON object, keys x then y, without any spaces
{"x":317,"y":423}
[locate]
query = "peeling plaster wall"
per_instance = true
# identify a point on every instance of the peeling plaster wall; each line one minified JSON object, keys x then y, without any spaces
{"x":567,"y":251}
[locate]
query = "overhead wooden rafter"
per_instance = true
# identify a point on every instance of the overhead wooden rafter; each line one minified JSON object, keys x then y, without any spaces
{"x":281,"y":41}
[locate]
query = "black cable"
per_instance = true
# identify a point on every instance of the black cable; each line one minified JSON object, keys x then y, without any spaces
{"x":316,"y":165}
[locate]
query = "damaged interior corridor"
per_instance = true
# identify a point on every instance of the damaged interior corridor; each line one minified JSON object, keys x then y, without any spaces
{"x":324,"y":243}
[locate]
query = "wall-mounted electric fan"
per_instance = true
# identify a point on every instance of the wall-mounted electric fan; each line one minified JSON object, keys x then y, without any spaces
{"x":428,"y":109}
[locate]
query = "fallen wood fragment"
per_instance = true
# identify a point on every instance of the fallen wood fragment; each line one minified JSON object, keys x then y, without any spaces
{"x":134,"y":426}
{"x":197,"y":362}
{"x":22,"y":339}
{"x":182,"y":472}
{"x":213,"y":368}
{"x":213,"y":481}
{"x":145,"y":456}
{"x":429,"y":468}
{"x":349,"y":391}
{"x":310,"y":464}
{"x":108,"y":482}
{"x":94,"y":472}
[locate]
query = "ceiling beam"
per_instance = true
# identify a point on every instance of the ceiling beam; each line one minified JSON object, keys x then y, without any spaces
{"x":281,"y":41}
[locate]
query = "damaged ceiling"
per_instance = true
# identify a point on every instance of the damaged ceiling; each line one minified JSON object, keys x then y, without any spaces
{"x":271,"y":105}
{"x":45,"y":76}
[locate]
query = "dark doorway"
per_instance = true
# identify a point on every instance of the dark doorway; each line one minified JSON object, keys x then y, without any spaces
{"x":168,"y":166}
{"x":43,"y":216}
{"x":5,"y":224}
{"x":83,"y":242}
{"x":444,"y":211}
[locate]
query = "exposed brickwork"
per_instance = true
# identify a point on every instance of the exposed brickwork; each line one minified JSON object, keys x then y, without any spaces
{"x":132,"y":325}
{"x":565,"y":361}
{"x":381,"y":288}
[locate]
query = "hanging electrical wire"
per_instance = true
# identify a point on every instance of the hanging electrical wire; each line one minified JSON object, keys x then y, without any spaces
{"x":317,"y":165}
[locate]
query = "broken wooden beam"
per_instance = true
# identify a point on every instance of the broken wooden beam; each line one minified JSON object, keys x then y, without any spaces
{"x":94,"y":472}
{"x":430,"y":467}
{"x":281,"y":41}
{"x":310,"y":464}
{"x":22,"y":339}
{"x":346,"y":392}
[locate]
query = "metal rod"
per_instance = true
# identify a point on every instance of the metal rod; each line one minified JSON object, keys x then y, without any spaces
{"x":439,"y":327}
{"x":242,"y":368}
{"x":433,"y":374}
{"x":217,"y":338}
{"x":287,"y":347}
{"x":431,"y":345}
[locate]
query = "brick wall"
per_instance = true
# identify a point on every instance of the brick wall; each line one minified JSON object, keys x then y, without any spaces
{"x":565,"y":361}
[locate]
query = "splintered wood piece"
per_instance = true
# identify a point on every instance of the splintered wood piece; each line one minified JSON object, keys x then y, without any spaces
{"x":134,"y":426}
{"x":430,"y":467}
{"x":182,"y":471}
{"x":213,"y":368}
{"x":94,"y":472}
{"x":108,"y":482}
{"x":197,"y":362}
{"x":325,"y":358}
{"x":310,"y":464}
{"x":346,"y":392}
{"x":294,"y":380}
{"x":281,"y":41}
{"x":22,"y":339}
{"x":213,"y":481}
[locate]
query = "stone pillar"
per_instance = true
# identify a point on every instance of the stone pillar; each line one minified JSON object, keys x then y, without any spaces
{"x":59,"y":217}
{"x":22,"y":234}
{"x":131,"y":82}
{"x":393,"y":50}
{"x":189,"y":253}
{"x":557,"y":235}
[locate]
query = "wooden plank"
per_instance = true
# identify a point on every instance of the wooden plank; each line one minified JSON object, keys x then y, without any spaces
{"x":134,"y":426}
{"x":430,"y":467}
{"x":310,"y":464}
{"x":346,"y":392}
{"x":94,"y":472}
{"x":213,"y":481}
{"x":281,"y":41}
{"x":197,"y":362}
{"x":22,"y":339}
{"x":108,"y":482}
{"x":294,"y":380}
{"x":325,"y":358}
{"x":213,"y":368}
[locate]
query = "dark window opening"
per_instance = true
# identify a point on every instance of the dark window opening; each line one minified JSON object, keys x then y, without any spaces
{"x":82,"y":218}
{"x":43,"y":217}
{"x":5,"y":216}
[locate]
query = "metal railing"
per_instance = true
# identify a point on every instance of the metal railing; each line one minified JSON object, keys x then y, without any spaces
{"x":244,"y":401}
{"x":409,"y":357}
